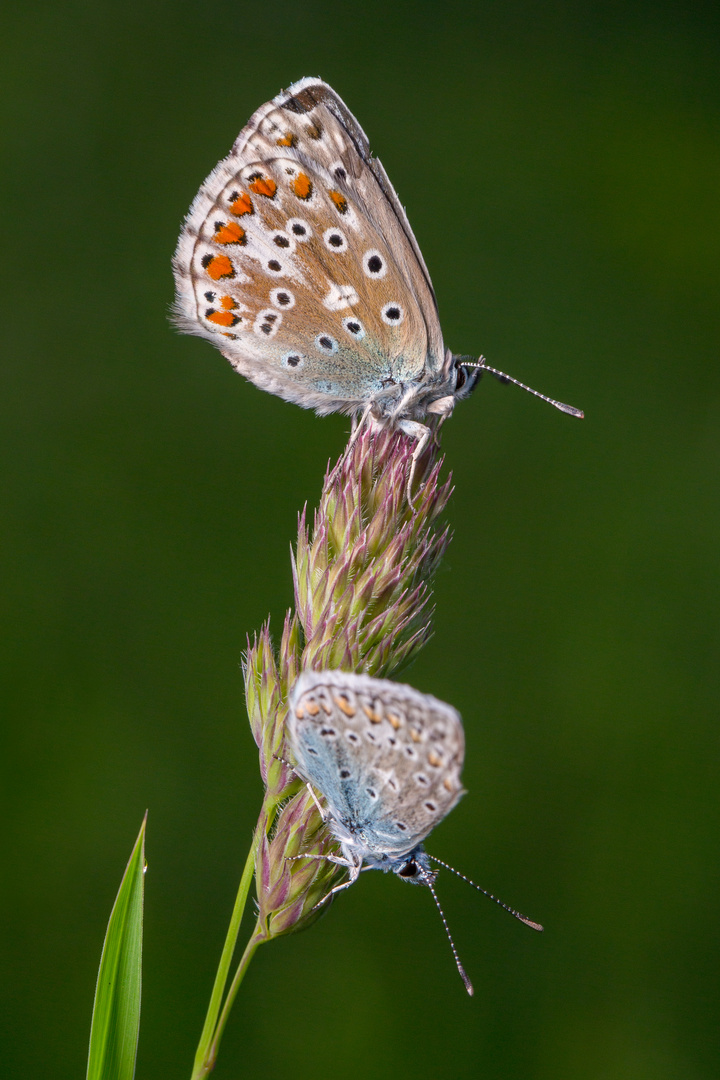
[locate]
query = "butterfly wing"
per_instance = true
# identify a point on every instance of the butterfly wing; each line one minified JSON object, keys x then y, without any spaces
{"x":298,"y":261}
{"x":386,"y":757}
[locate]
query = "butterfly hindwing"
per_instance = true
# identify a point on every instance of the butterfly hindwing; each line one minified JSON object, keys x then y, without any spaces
{"x":386,"y":757}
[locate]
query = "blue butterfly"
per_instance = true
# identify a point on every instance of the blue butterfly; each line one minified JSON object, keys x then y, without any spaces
{"x":387,"y":760}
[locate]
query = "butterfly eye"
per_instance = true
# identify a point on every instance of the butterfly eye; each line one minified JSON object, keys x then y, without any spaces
{"x":460,"y":377}
{"x":374,"y":264}
{"x":354,"y":328}
{"x":392,"y":314}
{"x":410,"y":869}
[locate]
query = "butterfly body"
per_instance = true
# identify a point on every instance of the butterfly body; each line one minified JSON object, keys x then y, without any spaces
{"x":297,"y":260}
{"x":387,"y":760}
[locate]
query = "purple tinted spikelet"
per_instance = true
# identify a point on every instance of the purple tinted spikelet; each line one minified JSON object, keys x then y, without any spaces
{"x":363,"y":602}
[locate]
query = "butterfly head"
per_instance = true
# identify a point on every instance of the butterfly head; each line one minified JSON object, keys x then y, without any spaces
{"x":415,"y":868}
{"x":465,"y":378}
{"x":438,"y":395}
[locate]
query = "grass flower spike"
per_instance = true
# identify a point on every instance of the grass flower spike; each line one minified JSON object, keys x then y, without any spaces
{"x":363,"y":603}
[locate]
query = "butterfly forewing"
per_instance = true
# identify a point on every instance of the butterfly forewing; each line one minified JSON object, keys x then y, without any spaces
{"x":298,"y":261}
{"x":386,"y":758}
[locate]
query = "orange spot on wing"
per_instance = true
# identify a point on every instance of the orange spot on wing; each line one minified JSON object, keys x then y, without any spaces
{"x":344,"y":705}
{"x":223,"y":318}
{"x":227,"y":302}
{"x":242,"y":205}
{"x":287,"y":140}
{"x":263,"y":185}
{"x":302,"y":186}
{"x":339,"y":200}
{"x":230,"y":234}
{"x":218,"y":266}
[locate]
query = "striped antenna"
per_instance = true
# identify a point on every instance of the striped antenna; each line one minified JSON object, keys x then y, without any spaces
{"x":505,"y":907}
{"x":428,"y":880}
{"x":483,"y":366}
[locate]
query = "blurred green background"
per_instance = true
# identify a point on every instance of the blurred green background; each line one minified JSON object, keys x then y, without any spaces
{"x":560,"y":164}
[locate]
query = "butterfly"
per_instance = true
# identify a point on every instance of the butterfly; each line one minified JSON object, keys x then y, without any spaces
{"x":387,"y":759}
{"x":297,"y":260}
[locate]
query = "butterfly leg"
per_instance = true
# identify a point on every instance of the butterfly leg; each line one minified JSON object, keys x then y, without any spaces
{"x":314,"y":798}
{"x":358,"y":424}
{"x":354,"y":874}
{"x":423,"y":434}
{"x":357,"y":428}
{"x":353,"y":866}
{"x":336,"y":889}
{"x":337,"y":859}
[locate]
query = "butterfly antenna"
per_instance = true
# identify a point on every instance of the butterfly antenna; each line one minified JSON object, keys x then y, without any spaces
{"x":505,"y":907}
{"x":468,"y":985}
{"x":569,"y":409}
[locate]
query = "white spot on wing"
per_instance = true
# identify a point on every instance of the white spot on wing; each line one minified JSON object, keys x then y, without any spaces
{"x":339,"y":297}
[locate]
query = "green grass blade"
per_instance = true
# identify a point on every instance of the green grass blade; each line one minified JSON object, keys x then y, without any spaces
{"x":116,"y":1012}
